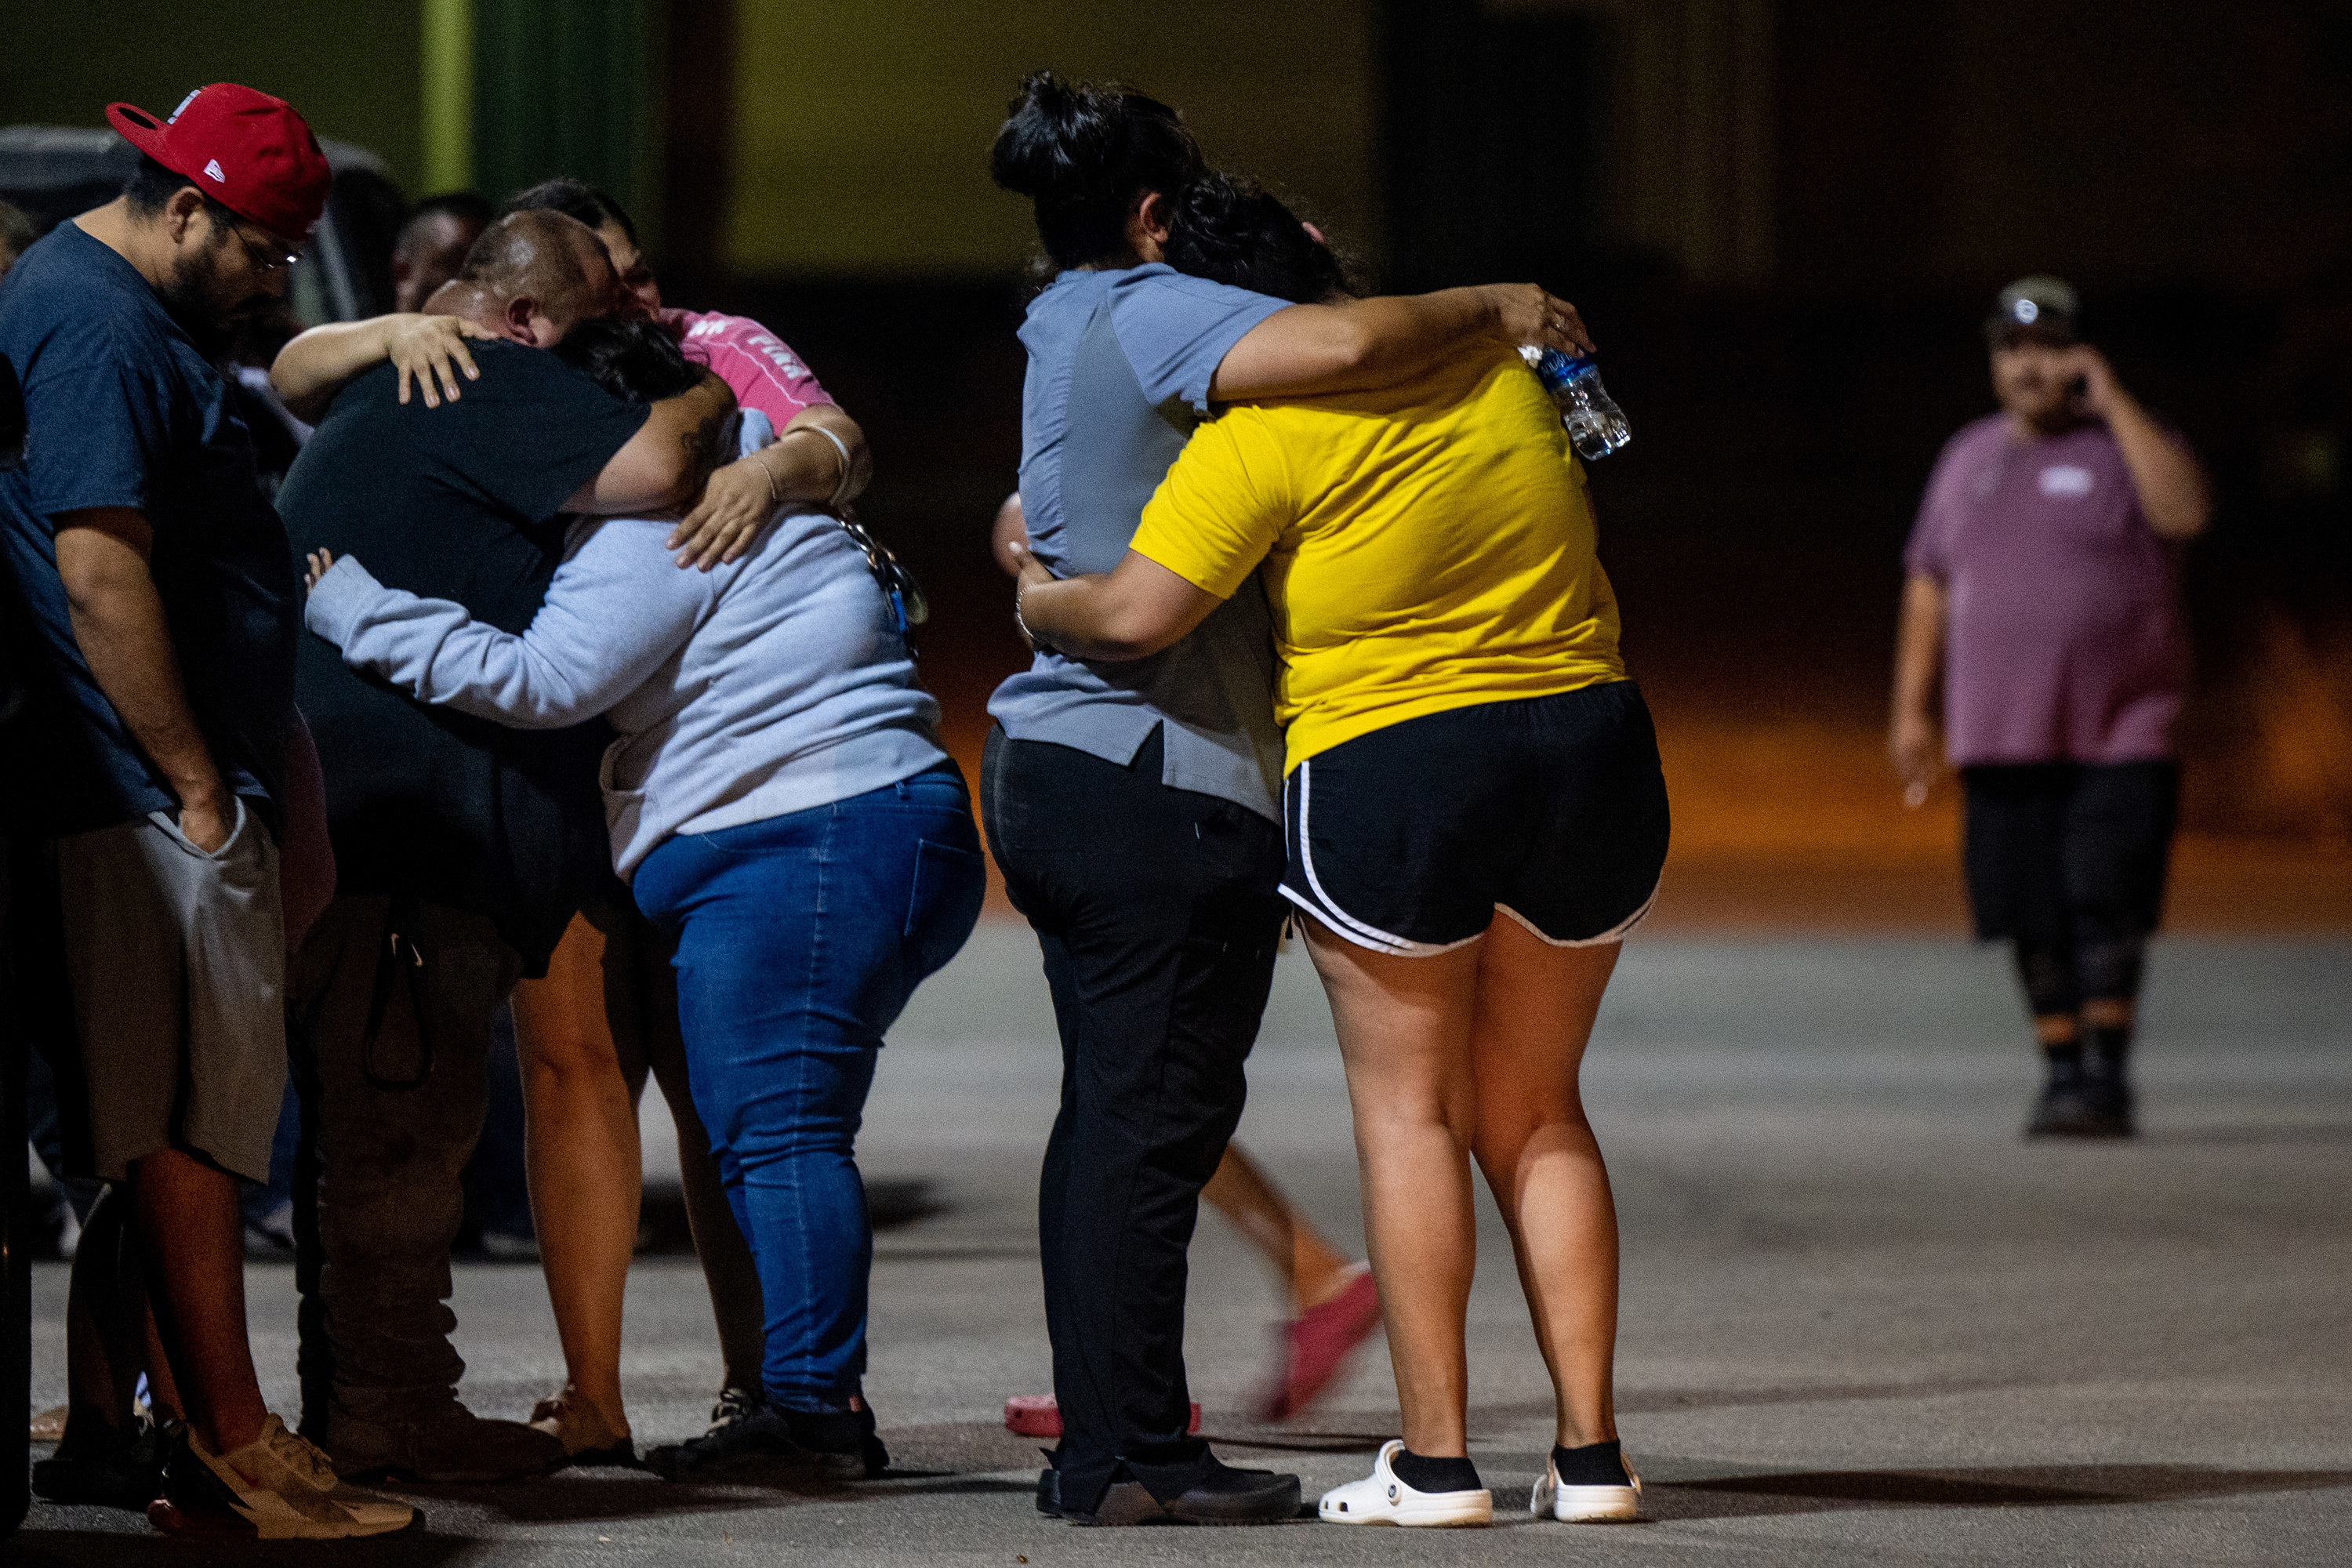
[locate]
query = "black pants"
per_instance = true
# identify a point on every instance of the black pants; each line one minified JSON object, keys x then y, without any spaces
{"x":1157,"y":913}
{"x":390,"y":1042}
{"x":2068,"y":861}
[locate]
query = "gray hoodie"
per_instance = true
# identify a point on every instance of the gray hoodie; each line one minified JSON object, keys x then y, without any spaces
{"x":770,"y":685}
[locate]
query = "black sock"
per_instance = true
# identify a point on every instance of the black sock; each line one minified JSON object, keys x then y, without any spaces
{"x":2107,"y":1047}
{"x":1424,"y":1475}
{"x":1594,"y":1465}
{"x":2065,"y":1058}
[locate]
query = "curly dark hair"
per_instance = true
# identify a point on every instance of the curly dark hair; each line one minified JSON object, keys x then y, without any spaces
{"x":1232,"y":230}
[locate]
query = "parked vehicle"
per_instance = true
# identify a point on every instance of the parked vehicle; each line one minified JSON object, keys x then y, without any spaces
{"x":52,"y":172}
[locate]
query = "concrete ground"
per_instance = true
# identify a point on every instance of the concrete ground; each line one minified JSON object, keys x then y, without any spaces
{"x":1862,"y":1320}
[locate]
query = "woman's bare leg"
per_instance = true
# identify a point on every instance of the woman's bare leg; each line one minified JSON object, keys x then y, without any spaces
{"x":580,"y":1150}
{"x":727,"y":1270}
{"x":1534,"y":1011}
{"x":1404,"y":1033}
{"x":1311,"y":1271}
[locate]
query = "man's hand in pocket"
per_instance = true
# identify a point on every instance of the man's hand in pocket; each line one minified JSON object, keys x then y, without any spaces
{"x":208,"y":823}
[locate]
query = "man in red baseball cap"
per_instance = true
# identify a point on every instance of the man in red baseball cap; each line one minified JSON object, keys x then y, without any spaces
{"x":230,"y":187}
{"x":158,"y":594}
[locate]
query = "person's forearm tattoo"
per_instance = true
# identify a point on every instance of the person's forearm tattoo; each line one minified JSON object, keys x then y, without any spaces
{"x":702,"y":443}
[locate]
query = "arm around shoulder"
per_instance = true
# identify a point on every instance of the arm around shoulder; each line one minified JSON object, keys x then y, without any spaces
{"x":317,"y":364}
{"x":664,"y":466}
{"x":1354,"y":345}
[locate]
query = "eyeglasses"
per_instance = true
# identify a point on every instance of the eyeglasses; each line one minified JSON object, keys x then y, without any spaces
{"x":266,"y":255}
{"x":890,"y":573}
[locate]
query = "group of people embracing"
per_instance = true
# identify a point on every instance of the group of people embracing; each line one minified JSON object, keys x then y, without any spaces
{"x":1321,"y":637}
{"x":606,"y":676}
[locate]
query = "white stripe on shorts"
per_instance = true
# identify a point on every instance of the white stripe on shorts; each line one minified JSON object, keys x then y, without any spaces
{"x":1326,"y":908}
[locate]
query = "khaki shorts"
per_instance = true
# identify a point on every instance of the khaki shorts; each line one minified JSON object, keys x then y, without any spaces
{"x":178,"y":964}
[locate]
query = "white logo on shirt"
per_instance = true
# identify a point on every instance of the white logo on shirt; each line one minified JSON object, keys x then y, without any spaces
{"x":2067,"y":481}
{"x":213,"y":168}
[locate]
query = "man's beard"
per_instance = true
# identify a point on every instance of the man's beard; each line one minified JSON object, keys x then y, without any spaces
{"x":192,"y":299}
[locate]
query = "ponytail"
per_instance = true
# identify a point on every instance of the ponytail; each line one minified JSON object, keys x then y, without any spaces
{"x":1082,"y":153}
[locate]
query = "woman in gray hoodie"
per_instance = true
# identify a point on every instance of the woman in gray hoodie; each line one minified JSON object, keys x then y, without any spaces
{"x":781,"y":805}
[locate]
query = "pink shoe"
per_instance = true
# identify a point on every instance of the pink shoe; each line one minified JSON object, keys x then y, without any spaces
{"x":1310,"y":1351}
{"x":1037,"y":1415}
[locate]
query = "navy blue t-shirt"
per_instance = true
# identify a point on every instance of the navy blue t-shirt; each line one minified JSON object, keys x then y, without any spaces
{"x":462,"y":502}
{"x":121,"y":410}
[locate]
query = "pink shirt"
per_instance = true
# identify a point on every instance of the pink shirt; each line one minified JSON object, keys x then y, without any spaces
{"x":2063,"y":639}
{"x":754,"y":362}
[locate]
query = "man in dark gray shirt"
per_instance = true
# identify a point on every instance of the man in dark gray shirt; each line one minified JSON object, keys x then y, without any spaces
{"x":463,"y":847}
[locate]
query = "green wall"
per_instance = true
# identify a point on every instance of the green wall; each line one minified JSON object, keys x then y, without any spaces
{"x":863,"y":126}
{"x":351,"y":69}
{"x":571,"y":87}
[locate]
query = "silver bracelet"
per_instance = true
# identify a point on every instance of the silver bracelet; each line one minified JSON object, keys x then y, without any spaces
{"x":841,"y":447}
{"x":1032,"y":639}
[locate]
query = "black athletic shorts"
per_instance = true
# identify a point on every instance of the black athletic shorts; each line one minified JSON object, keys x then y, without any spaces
{"x":1551,"y":809}
{"x":2057,"y":851}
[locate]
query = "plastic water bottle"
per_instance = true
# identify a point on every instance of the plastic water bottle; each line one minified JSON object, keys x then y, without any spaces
{"x":1596,"y":426}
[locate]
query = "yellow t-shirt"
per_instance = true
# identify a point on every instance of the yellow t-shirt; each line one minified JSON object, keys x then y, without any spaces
{"x":1425,"y":547}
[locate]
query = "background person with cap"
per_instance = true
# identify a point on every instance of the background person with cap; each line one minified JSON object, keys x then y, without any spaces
{"x":2042,"y":593}
{"x":157,"y":589}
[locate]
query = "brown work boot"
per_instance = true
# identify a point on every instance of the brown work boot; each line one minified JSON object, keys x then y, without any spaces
{"x":445,"y":1442}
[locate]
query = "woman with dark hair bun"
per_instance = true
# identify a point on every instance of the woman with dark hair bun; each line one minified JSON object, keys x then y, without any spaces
{"x":1080,"y":152}
{"x":1475,"y":817}
{"x":1134,"y":810}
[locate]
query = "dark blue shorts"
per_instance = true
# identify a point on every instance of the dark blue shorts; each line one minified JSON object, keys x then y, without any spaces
{"x":1550,"y":809}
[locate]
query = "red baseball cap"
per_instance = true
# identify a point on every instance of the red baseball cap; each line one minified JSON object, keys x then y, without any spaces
{"x":247,"y":151}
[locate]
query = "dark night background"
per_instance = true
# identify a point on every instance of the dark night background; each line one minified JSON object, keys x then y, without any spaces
{"x":1783,"y":219}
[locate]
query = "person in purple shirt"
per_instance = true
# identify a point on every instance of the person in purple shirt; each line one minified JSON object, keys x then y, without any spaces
{"x":2042,"y":593}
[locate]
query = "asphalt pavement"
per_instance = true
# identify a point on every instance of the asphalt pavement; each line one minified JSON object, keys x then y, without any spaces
{"x":1864,"y":1321}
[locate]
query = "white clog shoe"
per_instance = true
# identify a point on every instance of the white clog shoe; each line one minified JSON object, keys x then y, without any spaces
{"x":1382,"y":1499}
{"x":1585,"y":1505}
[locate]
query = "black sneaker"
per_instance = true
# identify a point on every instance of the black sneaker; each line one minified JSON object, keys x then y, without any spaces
{"x":841,"y":1441}
{"x":1222,"y":1496}
{"x":2065,"y":1108}
{"x":2107,"y":1101}
{"x":734,"y":1403}
{"x":767,"y":1438}
{"x":127,"y":1473}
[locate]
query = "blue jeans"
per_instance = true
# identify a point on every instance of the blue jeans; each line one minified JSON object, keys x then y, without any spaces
{"x":799,"y":939}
